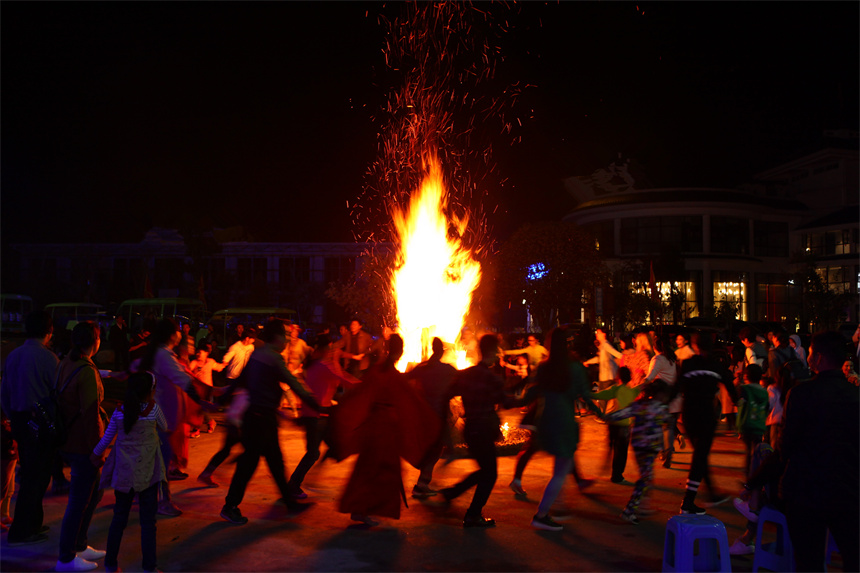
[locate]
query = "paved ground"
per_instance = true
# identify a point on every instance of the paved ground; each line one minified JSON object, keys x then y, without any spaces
{"x":428,"y":537}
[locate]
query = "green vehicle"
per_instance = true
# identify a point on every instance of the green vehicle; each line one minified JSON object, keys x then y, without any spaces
{"x":138,"y":311}
{"x":226,"y":320}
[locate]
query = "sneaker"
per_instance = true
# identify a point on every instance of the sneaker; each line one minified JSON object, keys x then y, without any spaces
{"x":546,"y":522}
{"x":744,"y":509}
{"x":421,"y":491}
{"x":31,"y":540}
{"x":692,"y":509}
{"x":479,"y":521}
{"x":629,"y":517}
{"x":91,"y":554}
{"x":76,"y":564}
{"x":206,"y":479}
{"x":233,"y":515}
{"x":299,"y":493}
{"x":517,"y":488}
{"x":365,"y":519}
{"x":176,"y":475}
{"x":168,"y":508}
{"x":741,"y":548}
{"x":584,"y":483}
{"x":294,"y":508}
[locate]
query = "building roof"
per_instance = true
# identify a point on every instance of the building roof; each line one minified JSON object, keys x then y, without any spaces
{"x":845,"y":216}
{"x":692,"y":195}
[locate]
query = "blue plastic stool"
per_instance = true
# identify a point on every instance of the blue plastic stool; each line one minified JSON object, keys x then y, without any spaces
{"x":831,"y":548}
{"x":687,"y":533}
{"x":777,"y":555}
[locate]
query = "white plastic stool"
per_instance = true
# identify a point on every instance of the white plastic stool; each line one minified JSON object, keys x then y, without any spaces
{"x":680,"y":547}
{"x":777,"y":555}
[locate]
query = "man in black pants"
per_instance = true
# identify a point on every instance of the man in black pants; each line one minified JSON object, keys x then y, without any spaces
{"x":481,"y":390}
{"x":264,"y":373}
{"x":701,"y":376}
{"x":820,"y":445}
{"x":30,"y":376}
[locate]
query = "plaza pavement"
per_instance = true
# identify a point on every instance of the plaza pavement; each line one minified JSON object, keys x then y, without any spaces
{"x":428,"y":537}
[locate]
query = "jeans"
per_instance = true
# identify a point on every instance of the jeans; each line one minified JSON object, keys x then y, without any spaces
{"x":84,"y":496}
{"x":561,"y":467}
{"x":260,"y":439}
{"x":619,"y":441}
{"x":167,"y":455}
{"x":645,"y":460}
{"x":702,"y":438}
{"x":482,"y":446}
{"x":314,"y":430}
{"x":36,"y":460}
{"x":807,"y":527}
{"x":526,"y":454}
{"x":148,"y":501}
{"x":232,"y":438}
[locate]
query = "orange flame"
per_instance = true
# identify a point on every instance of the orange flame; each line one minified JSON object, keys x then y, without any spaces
{"x":436,"y":276}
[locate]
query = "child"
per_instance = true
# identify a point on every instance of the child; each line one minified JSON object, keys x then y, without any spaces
{"x":9,"y":457}
{"x":649,"y":414}
{"x":202,"y":367}
{"x":138,"y":467}
{"x":619,"y":429}
{"x":752,"y":410}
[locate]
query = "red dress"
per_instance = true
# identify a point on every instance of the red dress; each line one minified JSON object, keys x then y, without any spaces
{"x":381,"y":419}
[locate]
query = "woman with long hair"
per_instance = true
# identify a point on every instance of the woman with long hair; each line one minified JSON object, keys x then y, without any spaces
{"x":560,"y":383}
{"x":172,"y":381}
{"x":138,"y":467}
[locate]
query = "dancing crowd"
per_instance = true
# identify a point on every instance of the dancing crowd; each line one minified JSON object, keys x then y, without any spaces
{"x":796,"y":410}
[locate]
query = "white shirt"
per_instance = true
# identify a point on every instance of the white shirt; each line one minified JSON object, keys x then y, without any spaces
{"x":237,"y":358}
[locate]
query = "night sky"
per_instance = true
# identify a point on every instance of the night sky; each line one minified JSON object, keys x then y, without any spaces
{"x":118,"y":116}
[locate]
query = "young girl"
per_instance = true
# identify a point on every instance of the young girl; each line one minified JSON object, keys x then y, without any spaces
{"x":138,"y":468}
{"x":202,"y":367}
{"x":649,"y":414}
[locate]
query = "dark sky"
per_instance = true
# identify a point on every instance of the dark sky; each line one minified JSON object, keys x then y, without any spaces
{"x":119,"y":116}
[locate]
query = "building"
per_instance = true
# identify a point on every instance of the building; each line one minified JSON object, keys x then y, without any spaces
{"x":220,"y":267}
{"x":747,"y":248}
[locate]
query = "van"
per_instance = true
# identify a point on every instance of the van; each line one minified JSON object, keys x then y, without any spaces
{"x":67,"y":314}
{"x":184,"y":310}
{"x":226,"y":320}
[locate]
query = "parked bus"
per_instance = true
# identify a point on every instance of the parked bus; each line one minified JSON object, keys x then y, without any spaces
{"x":184,"y":310}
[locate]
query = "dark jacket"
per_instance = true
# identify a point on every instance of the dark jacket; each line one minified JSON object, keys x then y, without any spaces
{"x":821,"y":443}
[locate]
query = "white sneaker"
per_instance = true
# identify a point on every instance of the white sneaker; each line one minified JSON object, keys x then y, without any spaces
{"x":91,"y":554}
{"x":76,"y":564}
{"x":743,"y":508}
{"x":741,"y":548}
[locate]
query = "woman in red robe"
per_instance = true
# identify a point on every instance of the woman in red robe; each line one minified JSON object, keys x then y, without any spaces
{"x":382,"y":419}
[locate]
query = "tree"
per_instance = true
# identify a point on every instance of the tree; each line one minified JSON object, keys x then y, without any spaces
{"x":367,"y":294}
{"x":549,"y":265}
{"x":822,"y":307}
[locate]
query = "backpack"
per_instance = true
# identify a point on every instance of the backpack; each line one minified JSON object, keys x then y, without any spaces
{"x":790,"y":373}
{"x":47,"y":424}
